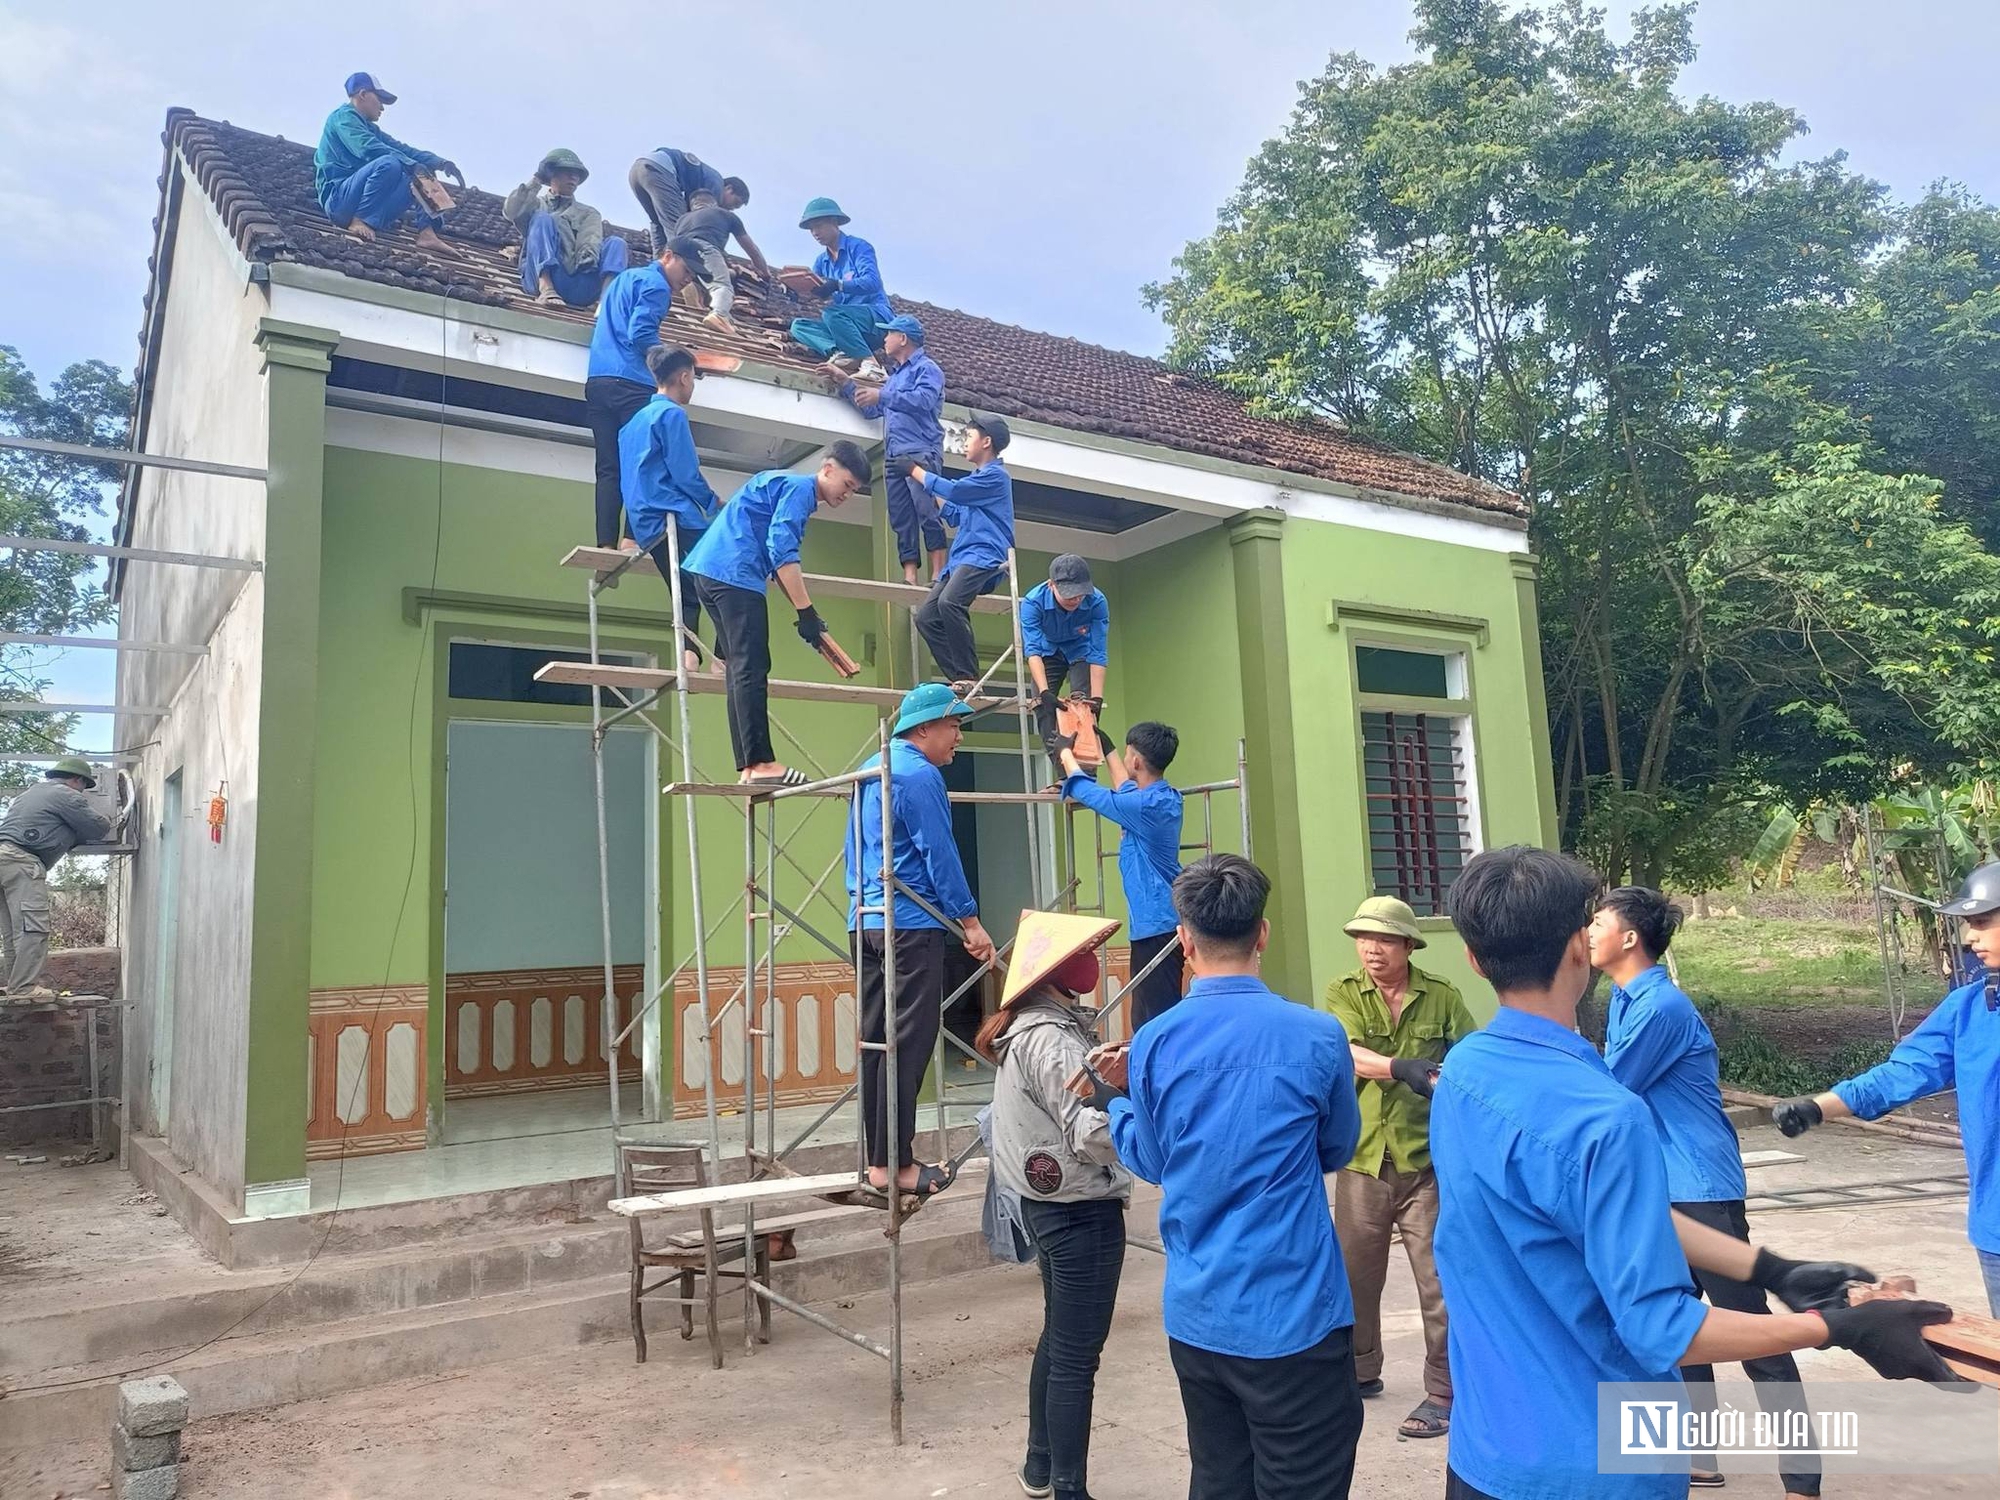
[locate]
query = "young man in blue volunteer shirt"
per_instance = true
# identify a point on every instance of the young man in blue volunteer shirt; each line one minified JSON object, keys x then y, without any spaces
{"x":1562,"y":1261}
{"x":362,"y":174}
{"x":1658,"y":1046}
{"x":616,"y":381}
{"x":662,"y":478}
{"x":850,"y":282}
{"x":911,"y":405}
{"x":1237,"y":1102}
{"x":754,"y":539}
{"x":1066,"y":636}
{"x":925,"y":858}
{"x":979,"y":508}
{"x":1148,"y":812}
{"x":1958,"y":1046}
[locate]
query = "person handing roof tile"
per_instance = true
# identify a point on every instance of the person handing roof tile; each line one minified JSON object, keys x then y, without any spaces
{"x":910,"y":404}
{"x":362,"y":174}
{"x":566,"y":257}
{"x":850,"y":280}
{"x":665,"y":183}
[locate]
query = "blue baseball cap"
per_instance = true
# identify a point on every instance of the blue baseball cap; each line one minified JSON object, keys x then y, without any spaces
{"x":356,"y":82}
{"x":928,"y":702}
{"x":904,"y":324}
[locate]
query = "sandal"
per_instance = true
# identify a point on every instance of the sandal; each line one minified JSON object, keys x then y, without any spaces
{"x":933,"y":1180}
{"x":1428,"y":1420}
{"x":1706,"y":1481}
{"x":791,"y":776}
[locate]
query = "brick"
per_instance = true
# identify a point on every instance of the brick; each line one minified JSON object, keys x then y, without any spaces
{"x":151,"y":1407}
{"x":162,"y":1483}
{"x":129,"y":1454}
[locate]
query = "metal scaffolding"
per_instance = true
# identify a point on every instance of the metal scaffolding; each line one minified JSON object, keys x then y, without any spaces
{"x":621,"y":693}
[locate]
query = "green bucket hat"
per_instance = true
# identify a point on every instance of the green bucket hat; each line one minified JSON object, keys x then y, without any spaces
{"x":72,"y":765}
{"x":1386,"y":917}
{"x":821,"y":208}
{"x":929,"y":701}
{"x":562,"y":159}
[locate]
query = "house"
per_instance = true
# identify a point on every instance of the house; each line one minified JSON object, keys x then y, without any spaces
{"x":389,"y":949}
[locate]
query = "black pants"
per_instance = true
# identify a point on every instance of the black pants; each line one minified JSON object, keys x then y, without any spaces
{"x":913,"y":515}
{"x":1271,"y":1429}
{"x":944,"y":620}
{"x":1081,"y":1247}
{"x":1060,"y":673}
{"x":1773,"y":1370}
{"x":690,"y":597}
{"x":1457,"y":1489}
{"x":608,"y":404}
{"x":1160,"y":991}
{"x":919,"y":989}
{"x":659,"y":193}
{"x":743,"y":641}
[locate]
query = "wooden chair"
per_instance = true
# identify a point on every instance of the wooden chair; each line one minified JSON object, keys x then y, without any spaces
{"x":661,"y":1167}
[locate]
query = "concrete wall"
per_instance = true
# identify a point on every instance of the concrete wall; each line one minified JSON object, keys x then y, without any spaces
{"x":209,"y":402}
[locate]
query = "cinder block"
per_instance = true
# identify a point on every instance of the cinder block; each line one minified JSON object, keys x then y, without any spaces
{"x":162,"y":1483}
{"x":130,"y":1454}
{"x":153,"y":1406}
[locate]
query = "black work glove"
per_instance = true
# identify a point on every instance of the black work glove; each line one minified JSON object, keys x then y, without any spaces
{"x":903,"y":465}
{"x":828,"y":287}
{"x":811,"y":627}
{"x":1105,"y":744}
{"x":1797,"y":1116}
{"x":1889,"y":1334}
{"x":1419,"y":1074}
{"x":450,"y":169}
{"x":1096,"y":707}
{"x":1807,"y":1285}
{"x":1102,"y":1093}
{"x":1049,"y":700}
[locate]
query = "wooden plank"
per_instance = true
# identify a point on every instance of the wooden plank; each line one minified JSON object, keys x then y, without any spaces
{"x":776,"y":1224}
{"x":764,"y":1190}
{"x":661,"y":680}
{"x":831,"y":585}
{"x":738,"y":790}
{"x":1754,"y":1159}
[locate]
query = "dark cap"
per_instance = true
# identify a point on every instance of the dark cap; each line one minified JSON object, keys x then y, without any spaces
{"x":356,"y":82}
{"x":1069,"y":575}
{"x":995,"y":429}
{"x":687,"y":250}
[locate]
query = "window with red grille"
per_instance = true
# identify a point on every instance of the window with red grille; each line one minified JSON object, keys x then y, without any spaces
{"x":1419,"y":804}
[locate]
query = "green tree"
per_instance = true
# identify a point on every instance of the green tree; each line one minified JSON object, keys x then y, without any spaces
{"x":1526,"y":255}
{"x":49,"y":593}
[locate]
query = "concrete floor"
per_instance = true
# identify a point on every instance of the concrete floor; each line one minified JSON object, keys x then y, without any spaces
{"x":804,"y":1416}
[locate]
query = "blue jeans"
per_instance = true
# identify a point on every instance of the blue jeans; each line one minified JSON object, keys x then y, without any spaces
{"x":541,"y":255}
{"x":848,"y":329}
{"x":913,"y":515}
{"x":378,"y":195}
{"x":1989,"y":1267}
{"x":1081,"y":1247}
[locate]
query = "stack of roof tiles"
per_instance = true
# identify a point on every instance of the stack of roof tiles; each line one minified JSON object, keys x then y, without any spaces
{"x":262,"y":186}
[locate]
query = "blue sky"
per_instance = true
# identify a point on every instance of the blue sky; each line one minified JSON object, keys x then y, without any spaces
{"x":1034,"y":162}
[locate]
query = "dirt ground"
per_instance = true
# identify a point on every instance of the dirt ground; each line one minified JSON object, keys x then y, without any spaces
{"x":805,"y":1417}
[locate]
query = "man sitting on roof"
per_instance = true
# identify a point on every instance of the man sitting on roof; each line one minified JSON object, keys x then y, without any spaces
{"x":710,"y":225}
{"x":755,"y":538}
{"x":665,"y":182}
{"x":363,"y":174}
{"x":911,"y":405}
{"x":566,"y":257}
{"x":616,"y":381}
{"x":980,"y":510}
{"x":851,"y":282}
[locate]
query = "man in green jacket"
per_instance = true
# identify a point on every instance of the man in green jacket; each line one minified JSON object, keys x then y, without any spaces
{"x":1400,"y":1021}
{"x":566,"y":256}
{"x":43,"y":823}
{"x":362,"y":174}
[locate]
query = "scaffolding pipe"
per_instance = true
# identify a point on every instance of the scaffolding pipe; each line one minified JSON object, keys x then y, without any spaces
{"x":1024,"y":712}
{"x":609,"y":1005}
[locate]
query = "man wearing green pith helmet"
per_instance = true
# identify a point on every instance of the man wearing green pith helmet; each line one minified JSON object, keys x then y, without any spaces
{"x":43,"y":824}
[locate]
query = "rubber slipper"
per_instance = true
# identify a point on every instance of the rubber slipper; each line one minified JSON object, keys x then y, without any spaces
{"x":933,"y":1180}
{"x":1706,"y":1481}
{"x":1432,"y":1421}
{"x":793,"y":776}
{"x":1368,"y":1388}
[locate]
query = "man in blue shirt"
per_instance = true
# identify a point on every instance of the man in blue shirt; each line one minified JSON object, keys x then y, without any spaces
{"x":616,"y":381}
{"x":911,"y":405}
{"x":1148,"y":814}
{"x":850,"y":281}
{"x":1562,"y":1261}
{"x":923,"y":857}
{"x":753,"y":539}
{"x":362,"y":174}
{"x":662,"y":478}
{"x":980,"y":510}
{"x":1066,"y":636}
{"x":1658,"y":1046}
{"x":665,"y":182}
{"x":1237,"y":1103}
{"x":1958,"y":1046}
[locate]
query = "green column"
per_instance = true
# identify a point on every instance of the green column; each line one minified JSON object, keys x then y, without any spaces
{"x":1527,"y":568}
{"x":296,"y":361}
{"x":1264,"y":664}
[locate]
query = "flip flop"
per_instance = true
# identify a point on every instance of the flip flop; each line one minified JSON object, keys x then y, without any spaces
{"x":1432,"y":1421}
{"x":792,"y":776}
{"x":933,"y":1180}
{"x":1706,"y":1481}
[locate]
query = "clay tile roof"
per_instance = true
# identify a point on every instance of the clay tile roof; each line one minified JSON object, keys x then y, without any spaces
{"x":262,"y":187}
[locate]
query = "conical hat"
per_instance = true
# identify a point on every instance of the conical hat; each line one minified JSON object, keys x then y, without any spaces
{"x":1044,"y":940}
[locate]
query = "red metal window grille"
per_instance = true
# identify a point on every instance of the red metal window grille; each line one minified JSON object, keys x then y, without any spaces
{"x":1419,"y":809}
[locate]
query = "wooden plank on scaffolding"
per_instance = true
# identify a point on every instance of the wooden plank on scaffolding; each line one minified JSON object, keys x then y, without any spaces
{"x":763,"y":1190}
{"x":740,"y":790}
{"x":832,"y":585}
{"x":661,"y":680}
